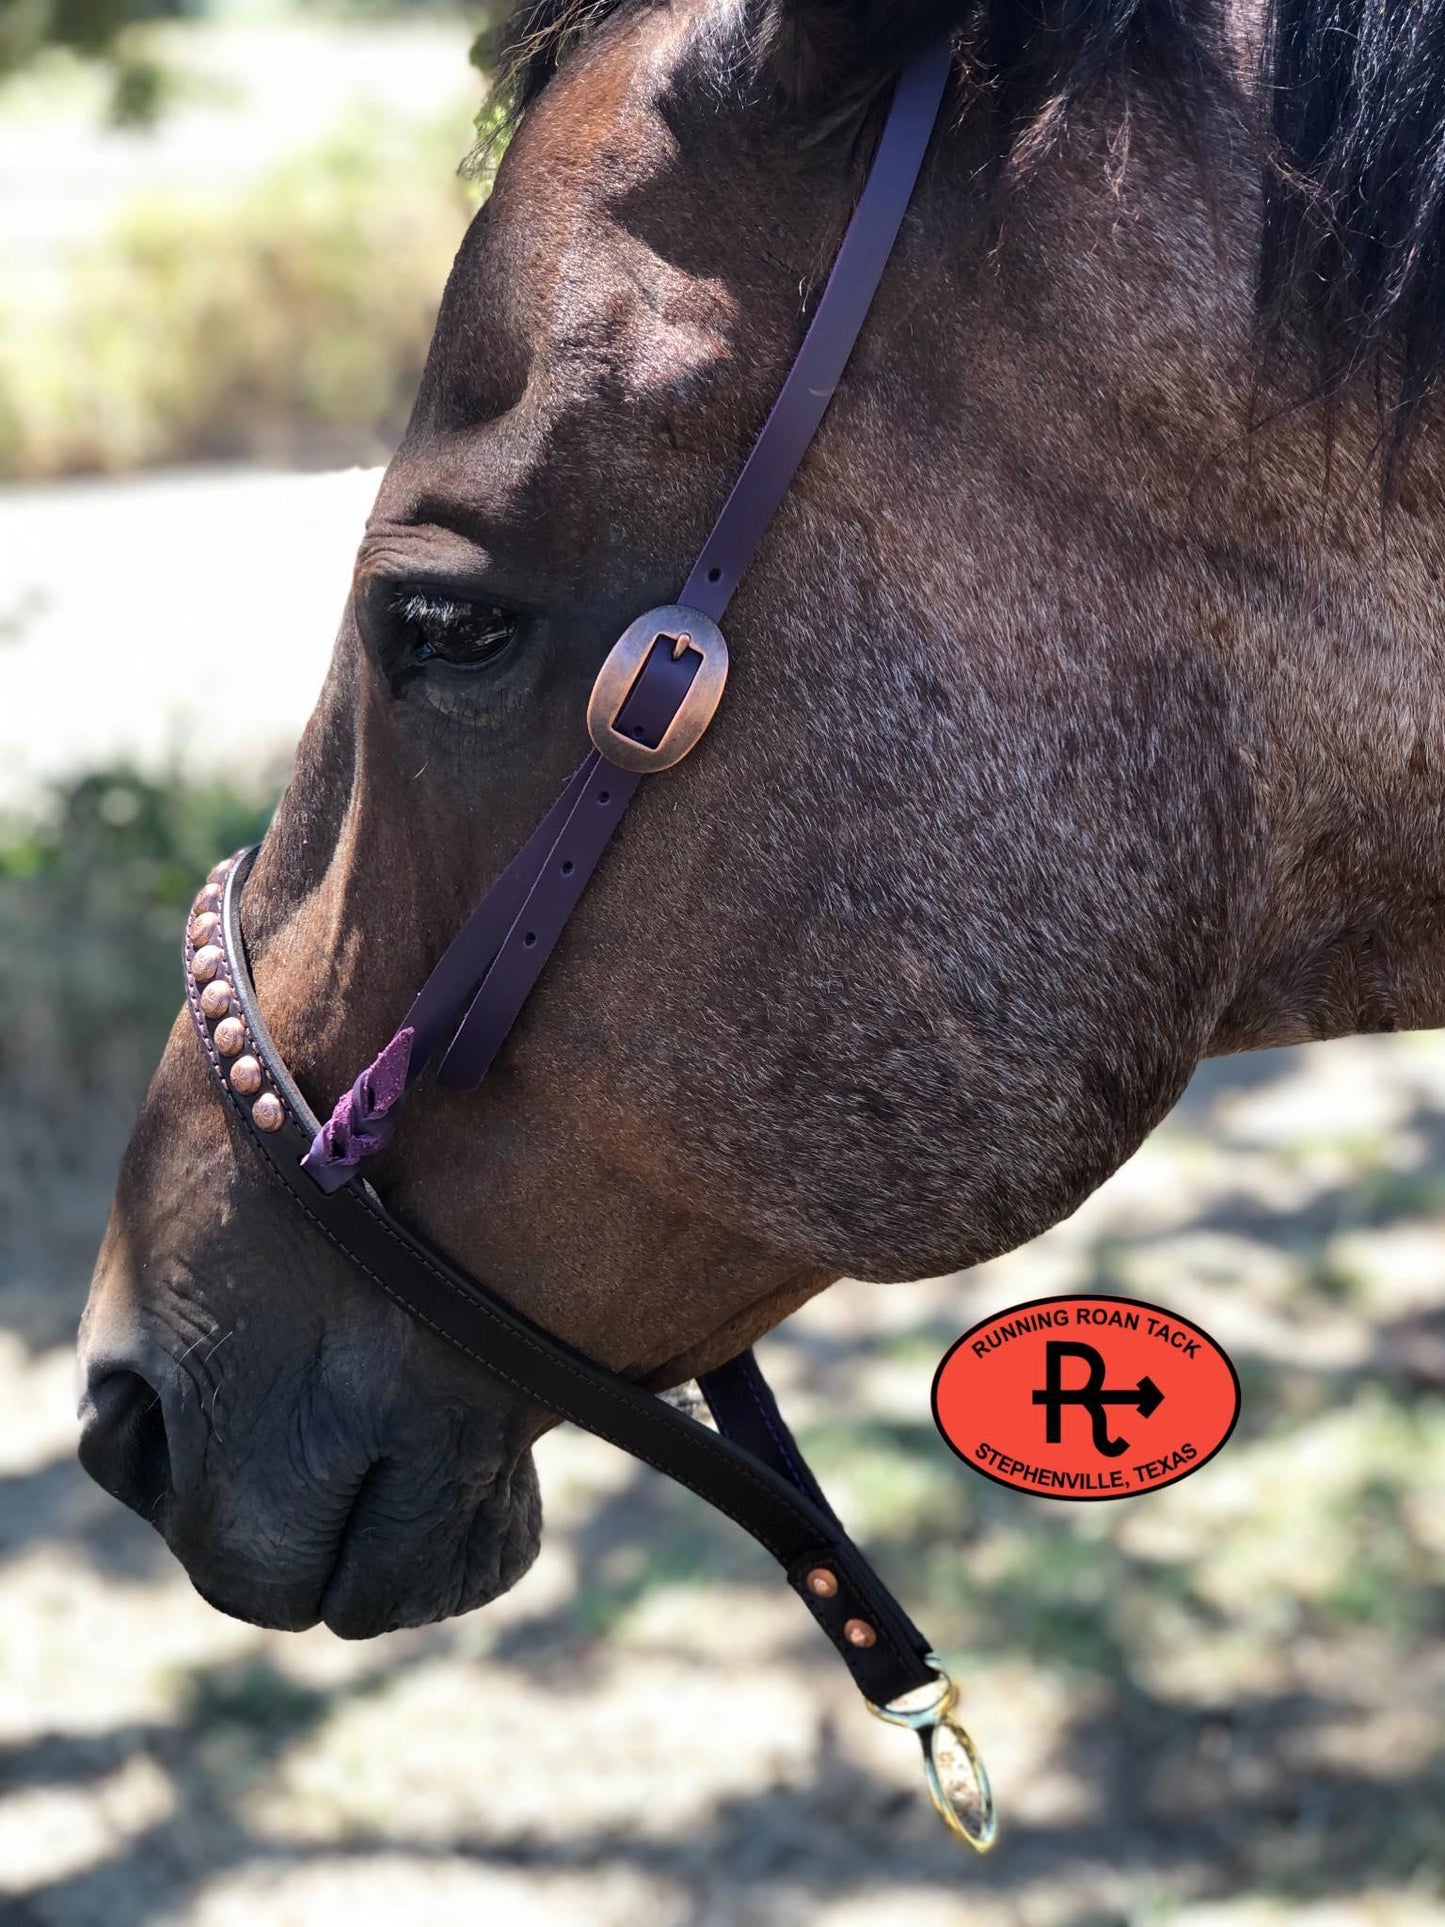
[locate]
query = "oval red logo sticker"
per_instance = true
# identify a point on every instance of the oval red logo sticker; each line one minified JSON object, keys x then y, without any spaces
{"x":1086,"y":1398}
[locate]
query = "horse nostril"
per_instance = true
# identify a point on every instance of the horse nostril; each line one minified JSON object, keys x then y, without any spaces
{"x":123,"y":1441}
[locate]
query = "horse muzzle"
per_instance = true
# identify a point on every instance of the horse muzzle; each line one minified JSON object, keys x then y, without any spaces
{"x":324,"y":1507}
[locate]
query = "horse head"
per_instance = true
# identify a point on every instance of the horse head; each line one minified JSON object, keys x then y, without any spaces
{"x":1077,"y":728}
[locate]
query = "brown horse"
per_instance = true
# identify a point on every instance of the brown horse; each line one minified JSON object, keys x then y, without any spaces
{"x":1087,"y":717}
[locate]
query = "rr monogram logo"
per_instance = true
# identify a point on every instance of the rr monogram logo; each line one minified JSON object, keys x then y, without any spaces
{"x":1092,"y":1395}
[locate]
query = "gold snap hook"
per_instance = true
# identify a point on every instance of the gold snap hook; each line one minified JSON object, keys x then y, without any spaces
{"x":953,"y":1768}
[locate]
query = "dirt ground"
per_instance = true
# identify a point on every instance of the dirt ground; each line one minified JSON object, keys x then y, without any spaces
{"x":1223,"y":1703}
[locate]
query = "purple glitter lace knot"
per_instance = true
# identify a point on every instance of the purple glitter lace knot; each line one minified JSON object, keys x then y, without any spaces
{"x":362,"y":1121}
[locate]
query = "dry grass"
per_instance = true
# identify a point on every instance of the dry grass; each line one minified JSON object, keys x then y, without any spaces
{"x":289,"y":325}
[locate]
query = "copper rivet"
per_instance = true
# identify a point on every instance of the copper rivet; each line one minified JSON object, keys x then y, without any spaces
{"x":216,"y":998}
{"x":858,"y":1632}
{"x":217,"y":872}
{"x":204,"y":927}
{"x":206,"y":898}
{"x":230,"y":1036}
{"x":267,"y":1114}
{"x":205,"y":963}
{"x":822,"y":1583}
{"x":246,"y":1075}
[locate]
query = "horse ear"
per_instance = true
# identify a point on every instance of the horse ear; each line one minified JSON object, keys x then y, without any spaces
{"x":821,"y":48}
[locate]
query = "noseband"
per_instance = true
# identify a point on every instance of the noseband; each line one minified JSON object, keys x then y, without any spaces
{"x":651,"y":704}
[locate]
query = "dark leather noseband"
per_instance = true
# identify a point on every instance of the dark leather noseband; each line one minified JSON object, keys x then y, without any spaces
{"x":652,"y":702}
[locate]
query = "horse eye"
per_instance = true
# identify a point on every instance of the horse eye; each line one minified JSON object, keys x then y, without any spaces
{"x":463,"y":634}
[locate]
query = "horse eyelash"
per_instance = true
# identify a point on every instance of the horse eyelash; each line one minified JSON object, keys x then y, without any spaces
{"x":417,"y":606}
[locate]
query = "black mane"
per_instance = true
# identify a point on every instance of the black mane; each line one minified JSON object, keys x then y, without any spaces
{"x":1350,"y":109}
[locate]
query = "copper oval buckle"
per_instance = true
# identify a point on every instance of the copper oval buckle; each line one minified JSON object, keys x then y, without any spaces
{"x":671,"y":627}
{"x":958,"y":1787}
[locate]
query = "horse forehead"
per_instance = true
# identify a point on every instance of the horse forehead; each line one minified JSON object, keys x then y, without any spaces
{"x":594,"y":223}
{"x":584,"y":292}
{"x":628,"y":325}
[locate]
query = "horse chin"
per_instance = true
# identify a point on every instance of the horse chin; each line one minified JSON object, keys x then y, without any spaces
{"x":390,"y":1572}
{"x":388,"y":1575}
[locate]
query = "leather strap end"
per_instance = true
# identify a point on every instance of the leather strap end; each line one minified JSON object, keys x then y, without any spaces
{"x":882,"y":1669}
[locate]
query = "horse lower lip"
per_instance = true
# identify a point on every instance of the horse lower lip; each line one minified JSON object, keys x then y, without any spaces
{"x":254,"y":1605}
{"x":372,"y":1586}
{"x":337,"y":1611}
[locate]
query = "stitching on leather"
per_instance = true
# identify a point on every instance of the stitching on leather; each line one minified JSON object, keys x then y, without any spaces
{"x":772,"y":1427}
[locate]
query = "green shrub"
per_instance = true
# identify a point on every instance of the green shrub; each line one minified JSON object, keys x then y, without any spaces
{"x":97,"y":30}
{"x":93,"y":890}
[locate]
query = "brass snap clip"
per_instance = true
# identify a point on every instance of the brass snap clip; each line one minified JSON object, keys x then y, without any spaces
{"x":683,"y":631}
{"x":957,"y":1779}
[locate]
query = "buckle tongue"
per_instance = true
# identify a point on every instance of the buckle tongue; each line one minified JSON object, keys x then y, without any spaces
{"x":958,"y":1783}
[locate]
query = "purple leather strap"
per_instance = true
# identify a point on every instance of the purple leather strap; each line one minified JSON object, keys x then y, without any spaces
{"x":492,"y":964}
{"x":852,"y":283}
{"x":601,"y":792}
{"x":745,"y":1411}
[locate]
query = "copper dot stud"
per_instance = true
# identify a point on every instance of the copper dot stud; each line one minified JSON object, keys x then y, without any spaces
{"x":230,"y":1036}
{"x":217,"y":871}
{"x":204,"y":927}
{"x":822,"y":1583}
{"x":216,"y":998}
{"x":268,"y":1114}
{"x":206,"y":898}
{"x":858,"y":1632}
{"x":205,"y":963}
{"x":246,"y":1076}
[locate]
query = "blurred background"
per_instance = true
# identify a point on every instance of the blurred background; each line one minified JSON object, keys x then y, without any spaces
{"x":223,"y":232}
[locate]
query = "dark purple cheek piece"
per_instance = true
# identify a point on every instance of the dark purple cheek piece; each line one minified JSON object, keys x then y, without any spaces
{"x":602,"y":795}
{"x":602,"y":798}
{"x":857,"y":268}
{"x":492,"y":964}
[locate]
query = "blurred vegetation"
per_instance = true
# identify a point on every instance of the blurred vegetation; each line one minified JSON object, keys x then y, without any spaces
{"x":101,"y":875}
{"x":113,"y":34}
{"x":103,"y":30}
{"x":289,"y":325}
{"x":93,"y":890}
